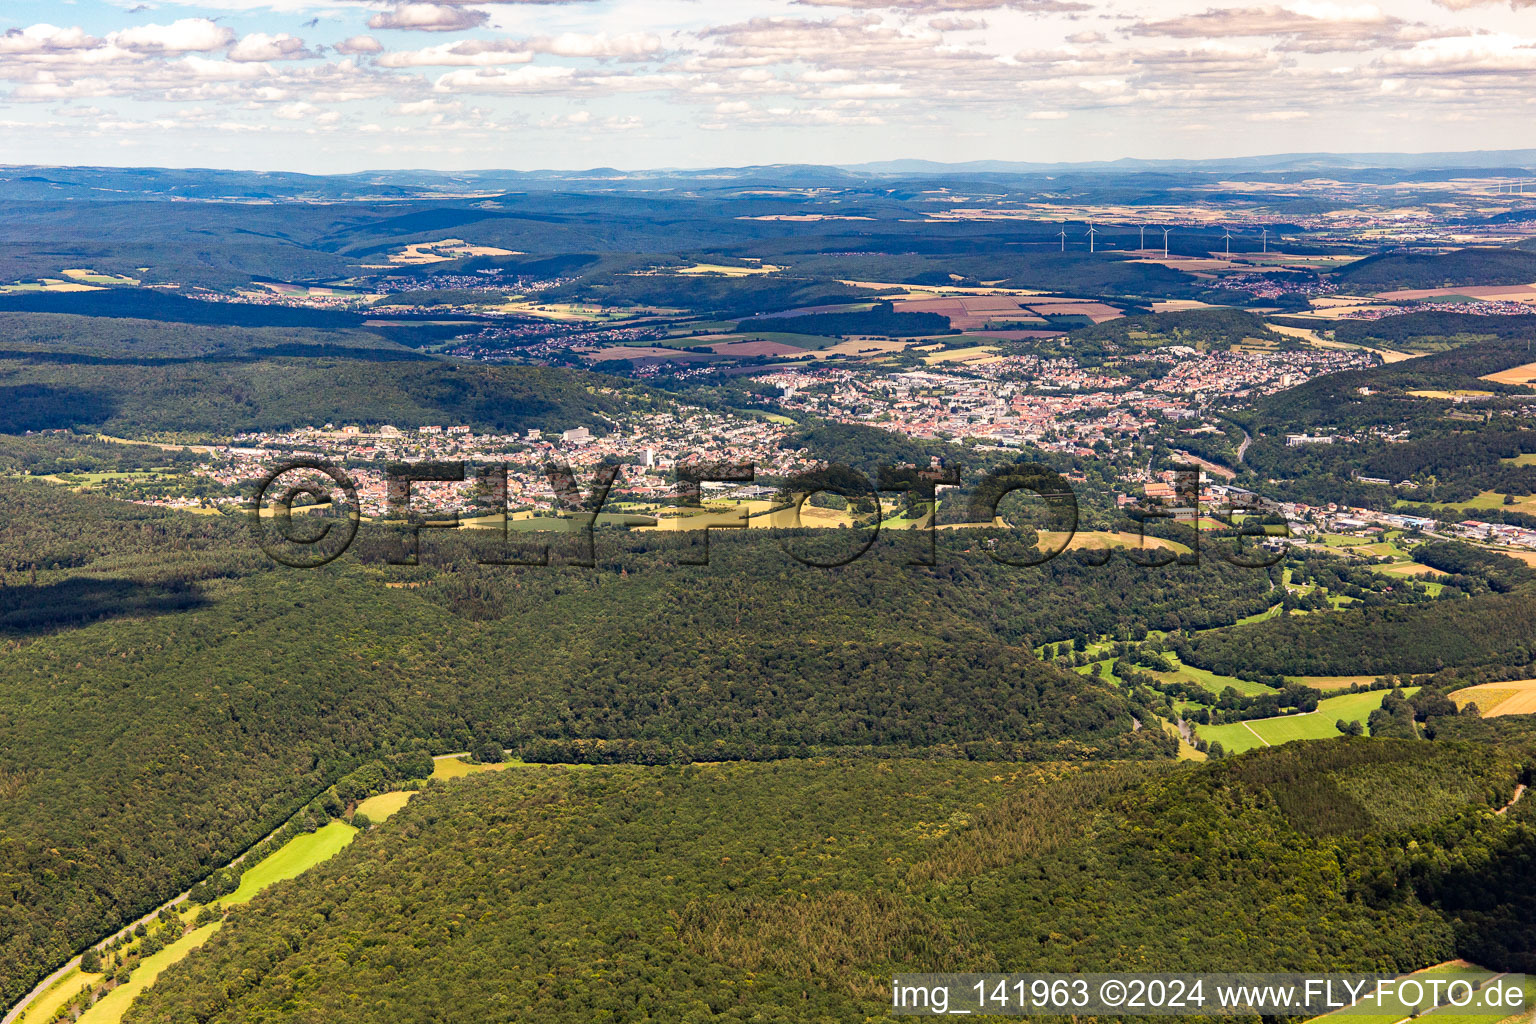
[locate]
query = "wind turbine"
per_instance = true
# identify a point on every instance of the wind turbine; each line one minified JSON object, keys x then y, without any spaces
{"x":1228,"y":237}
{"x":1091,"y":233}
{"x":1143,"y":237}
{"x":1063,"y":238}
{"x":1165,"y":242}
{"x":1266,"y":240}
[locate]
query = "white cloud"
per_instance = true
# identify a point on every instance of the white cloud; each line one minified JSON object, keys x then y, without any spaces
{"x":417,"y":108}
{"x":1466,"y":55}
{"x":633,"y":45}
{"x":297,"y":111}
{"x":188,"y":35}
{"x":467,"y":53}
{"x":429,"y":18}
{"x":359,"y":45}
{"x":258,"y":46}
{"x":45,"y":39}
{"x":527,"y":79}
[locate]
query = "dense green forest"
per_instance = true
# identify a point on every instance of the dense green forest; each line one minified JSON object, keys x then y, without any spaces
{"x":155,"y":674}
{"x":1470,"y":267}
{"x":135,"y":377}
{"x":1202,"y":329}
{"x":1484,"y":630}
{"x":1446,"y":452}
{"x":793,"y":891}
{"x":751,"y":788}
{"x":1426,"y":332}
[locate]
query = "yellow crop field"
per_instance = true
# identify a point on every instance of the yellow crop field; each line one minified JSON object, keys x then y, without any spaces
{"x":1090,"y":540}
{"x":1523,"y":374}
{"x":1516,"y":697}
{"x":444,"y":250}
{"x":725,"y":271}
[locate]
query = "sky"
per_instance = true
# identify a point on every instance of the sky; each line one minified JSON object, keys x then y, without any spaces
{"x":350,"y":85}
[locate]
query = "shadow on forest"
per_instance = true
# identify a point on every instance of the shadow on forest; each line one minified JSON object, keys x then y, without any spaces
{"x":1491,"y":902}
{"x":26,"y":407}
{"x":33,"y":609}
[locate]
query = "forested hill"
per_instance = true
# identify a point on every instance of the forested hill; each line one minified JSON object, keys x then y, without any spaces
{"x":1466,"y":267}
{"x":794,"y":891}
{"x":158,"y":670}
{"x":135,"y":377}
{"x":1492,"y":635}
{"x":1338,"y":398}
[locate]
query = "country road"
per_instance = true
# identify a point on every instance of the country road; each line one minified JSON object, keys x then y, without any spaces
{"x":1242,"y":449}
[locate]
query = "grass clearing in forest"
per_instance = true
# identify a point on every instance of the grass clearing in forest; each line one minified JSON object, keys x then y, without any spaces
{"x":61,"y":993}
{"x":381,"y":806}
{"x":1331,"y":682}
{"x":296,"y":856}
{"x":1212,"y":682}
{"x":455,"y":766}
{"x":115,"y":1003}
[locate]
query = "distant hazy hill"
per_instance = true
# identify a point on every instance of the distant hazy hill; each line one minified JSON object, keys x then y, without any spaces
{"x":36,"y":182}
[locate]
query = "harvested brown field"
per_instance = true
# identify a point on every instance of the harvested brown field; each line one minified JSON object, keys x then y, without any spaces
{"x":1492,"y":293}
{"x":967,"y":312}
{"x":862,"y":346}
{"x":636,"y":354}
{"x":1098,"y":312}
{"x":1012,"y":335}
{"x":756,"y":348}
{"x":1494,"y":700}
{"x":1524,"y":374}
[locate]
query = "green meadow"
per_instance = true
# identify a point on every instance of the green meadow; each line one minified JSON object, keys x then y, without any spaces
{"x":1237,"y":737}
{"x":296,"y":856}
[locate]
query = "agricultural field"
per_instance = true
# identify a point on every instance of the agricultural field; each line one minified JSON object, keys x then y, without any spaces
{"x":725,"y":270}
{"x":1516,"y":697}
{"x":1524,"y":374}
{"x":47,"y":284}
{"x":1331,"y":682}
{"x":85,"y":276}
{"x":420,"y":253}
{"x":1097,"y":540}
